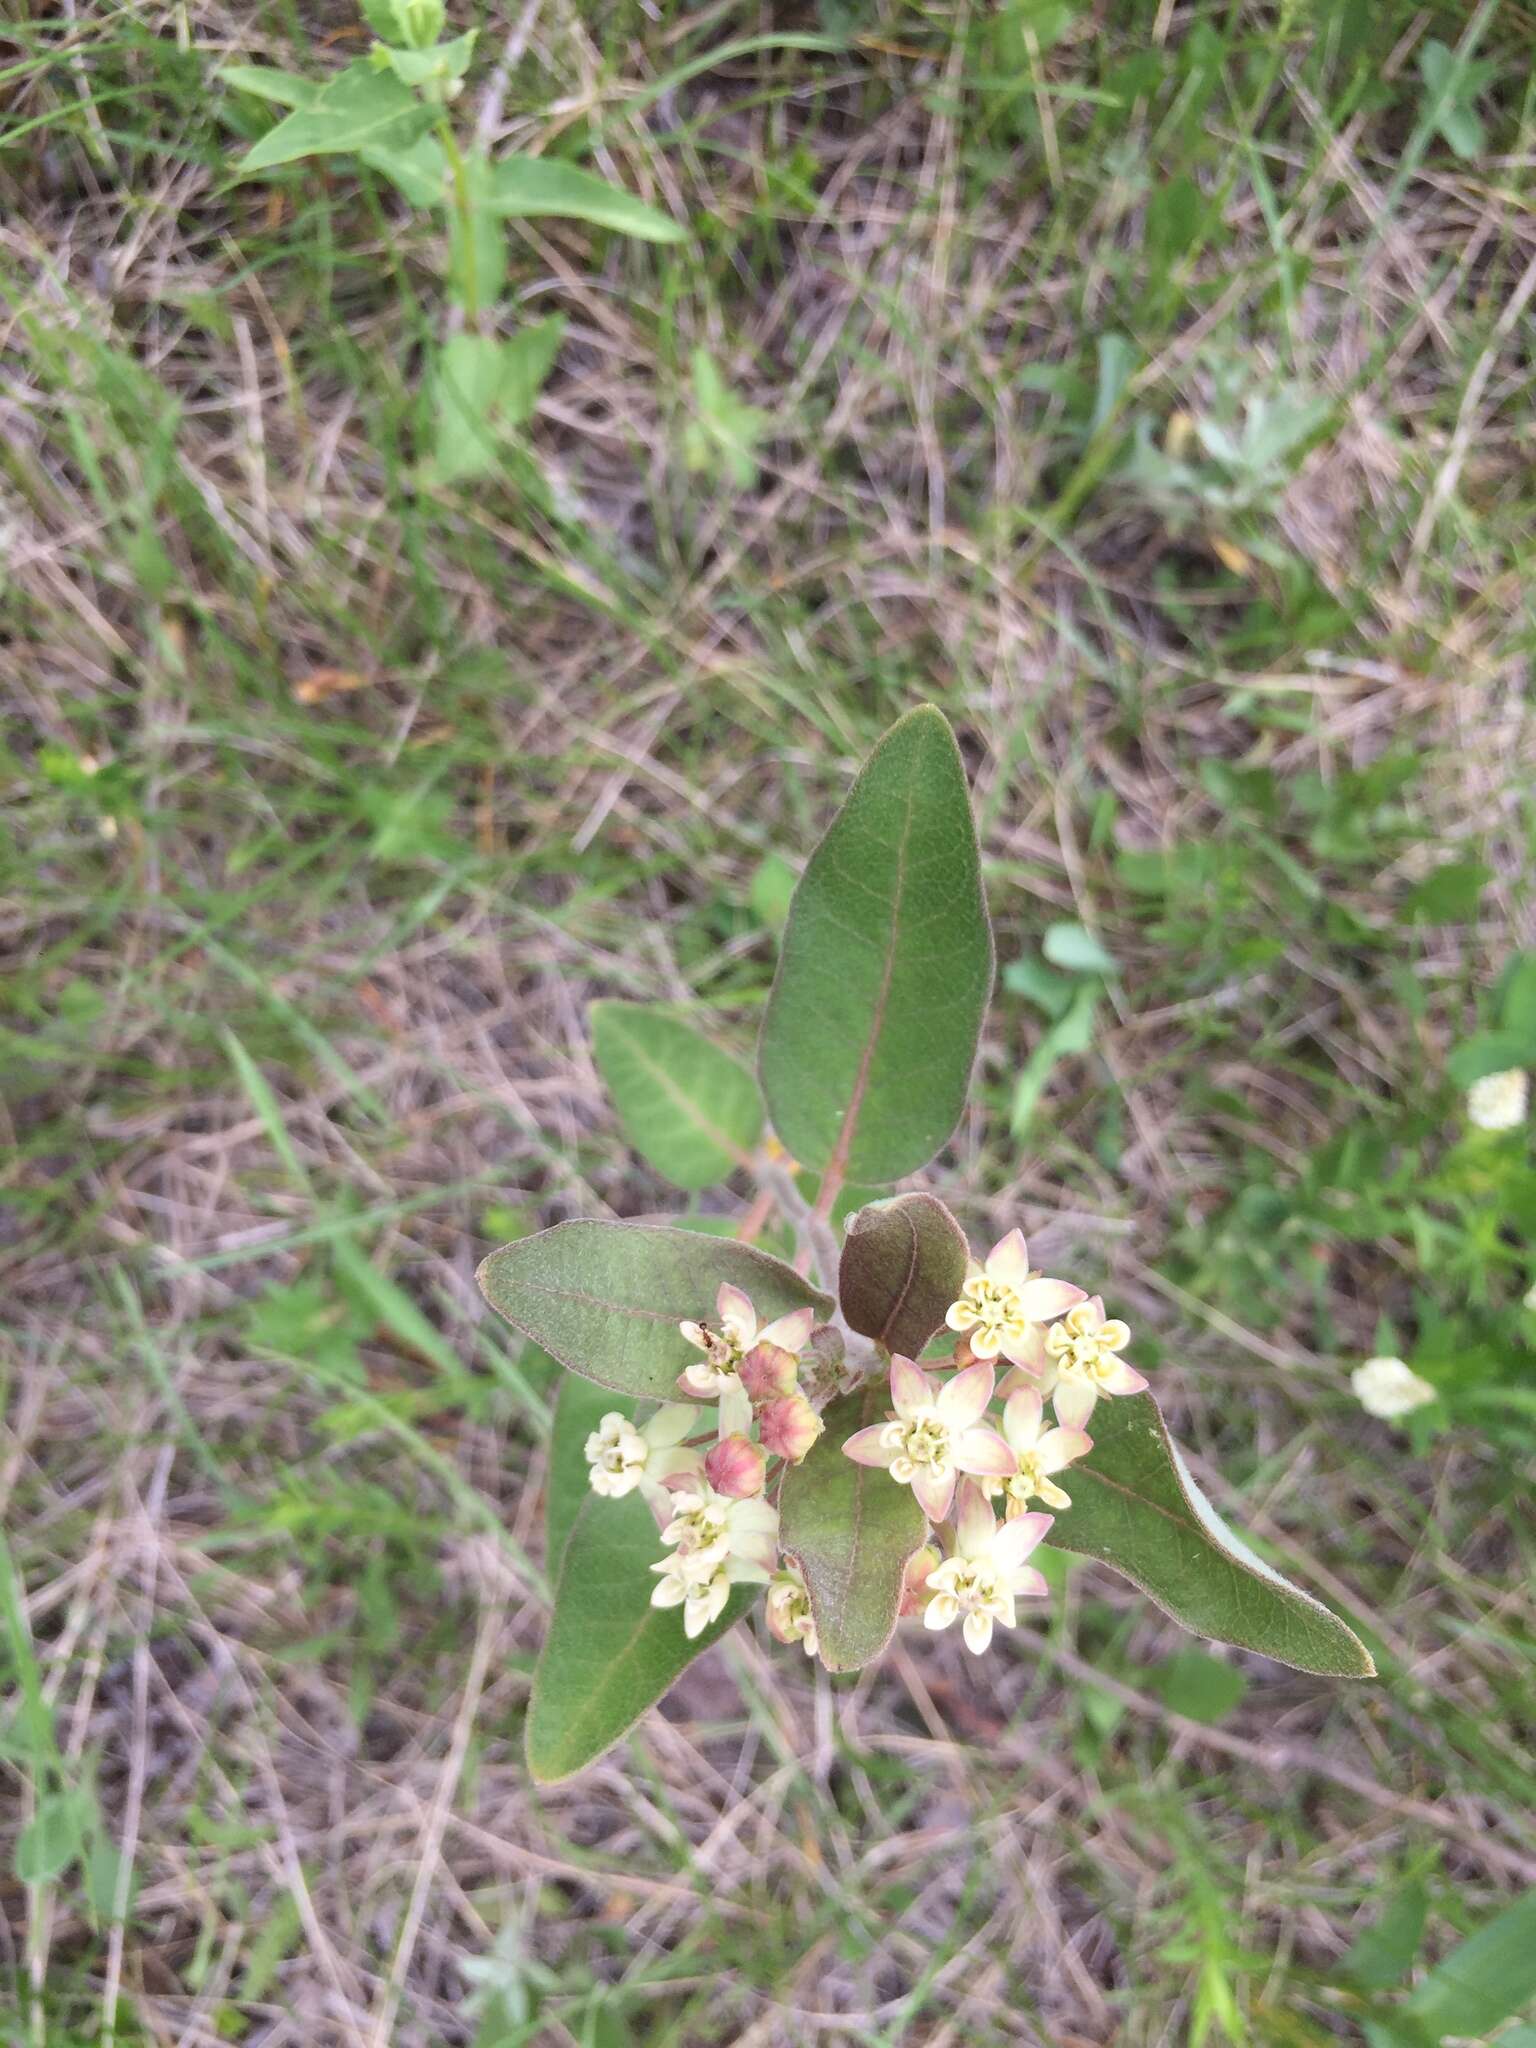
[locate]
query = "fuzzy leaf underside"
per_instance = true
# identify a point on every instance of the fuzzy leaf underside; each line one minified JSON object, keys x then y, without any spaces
{"x":903,"y":1263}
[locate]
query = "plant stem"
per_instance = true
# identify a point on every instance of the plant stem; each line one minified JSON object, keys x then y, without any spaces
{"x":750,"y":1228}
{"x":831,"y":1187}
{"x":459,"y":172}
{"x":808,"y":1223}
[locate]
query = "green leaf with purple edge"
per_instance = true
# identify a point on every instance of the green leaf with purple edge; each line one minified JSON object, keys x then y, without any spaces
{"x":885,"y":968}
{"x":609,"y":1655}
{"x":1136,"y":1508}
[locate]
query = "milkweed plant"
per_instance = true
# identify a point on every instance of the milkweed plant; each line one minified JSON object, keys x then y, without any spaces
{"x":394,"y":110}
{"x":884,"y":1423}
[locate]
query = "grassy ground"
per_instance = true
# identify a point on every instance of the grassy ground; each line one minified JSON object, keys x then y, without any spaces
{"x":295,"y":979}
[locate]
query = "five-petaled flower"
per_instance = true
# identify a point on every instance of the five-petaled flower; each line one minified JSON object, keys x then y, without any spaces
{"x":708,"y":1527}
{"x":738,"y":1333}
{"x":1039,"y":1451}
{"x":788,"y":1612}
{"x":1083,"y":1361}
{"x":1002,"y":1299}
{"x":622,"y":1457}
{"x":936,"y":1434}
{"x":986,"y":1572}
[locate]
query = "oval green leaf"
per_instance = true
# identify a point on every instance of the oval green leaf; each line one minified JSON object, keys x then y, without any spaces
{"x":885,"y":970}
{"x":1136,"y":1508}
{"x":606,"y":1298}
{"x":903,"y":1263}
{"x":524,"y":186}
{"x":851,"y":1528}
{"x":609,"y":1654}
{"x":685,"y":1105}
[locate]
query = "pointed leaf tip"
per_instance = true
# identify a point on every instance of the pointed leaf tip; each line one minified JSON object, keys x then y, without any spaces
{"x":885,"y":969}
{"x":1136,"y":1507}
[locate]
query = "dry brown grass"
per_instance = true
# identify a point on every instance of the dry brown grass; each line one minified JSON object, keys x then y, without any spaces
{"x":933,"y":1854}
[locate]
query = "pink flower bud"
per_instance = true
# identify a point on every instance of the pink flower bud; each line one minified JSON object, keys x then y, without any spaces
{"x":789,"y":1426}
{"x":766,"y":1372}
{"x":914,"y":1580}
{"x":737,"y":1467}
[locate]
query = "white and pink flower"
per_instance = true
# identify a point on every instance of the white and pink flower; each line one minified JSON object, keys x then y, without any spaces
{"x":621,"y":1455}
{"x":788,"y":1611}
{"x":986,"y":1572}
{"x":936,"y":1434}
{"x":1002,"y":1300}
{"x":1082,"y":1354}
{"x":736,"y":1333}
{"x":1040,"y":1453}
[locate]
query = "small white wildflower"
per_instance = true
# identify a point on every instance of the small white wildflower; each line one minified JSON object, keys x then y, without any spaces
{"x":1388,"y":1388}
{"x":738,"y":1333}
{"x":1083,"y":1361}
{"x":717,"y":1543}
{"x":708,"y":1527}
{"x":1040,"y":1452}
{"x":1498,"y":1102}
{"x":789,"y":1614}
{"x":701,"y":1593}
{"x":1528,"y":1299}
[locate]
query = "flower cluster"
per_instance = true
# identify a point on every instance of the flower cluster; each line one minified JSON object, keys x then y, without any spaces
{"x":965,"y":1444}
{"x":710,"y":1497}
{"x":939,"y":1441}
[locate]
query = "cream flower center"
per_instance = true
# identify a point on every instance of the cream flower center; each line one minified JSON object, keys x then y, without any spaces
{"x":1080,"y":1352}
{"x":972,"y":1583}
{"x":994,"y":1307}
{"x":721,"y":1349}
{"x":919,"y":1440}
{"x":1029,"y":1475}
{"x":699,"y":1530}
